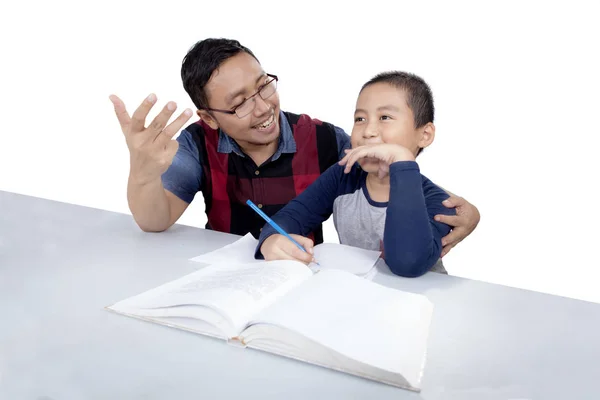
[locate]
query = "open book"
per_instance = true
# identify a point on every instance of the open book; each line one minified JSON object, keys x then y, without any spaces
{"x":355,"y":260}
{"x":331,"y":318}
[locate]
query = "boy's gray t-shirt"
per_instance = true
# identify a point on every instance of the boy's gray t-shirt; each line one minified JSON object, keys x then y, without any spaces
{"x":360,"y":222}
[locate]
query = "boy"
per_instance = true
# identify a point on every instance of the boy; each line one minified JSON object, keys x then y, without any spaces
{"x":378,"y":197}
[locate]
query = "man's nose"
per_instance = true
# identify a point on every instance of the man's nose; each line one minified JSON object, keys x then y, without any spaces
{"x":260,"y":106}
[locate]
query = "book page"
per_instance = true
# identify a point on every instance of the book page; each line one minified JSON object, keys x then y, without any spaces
{"x":355,"y":260}
{"x":329,"y":256}
{"x":378,"y":326}
{"x":226,"y":295}
{"x":239,"y":252}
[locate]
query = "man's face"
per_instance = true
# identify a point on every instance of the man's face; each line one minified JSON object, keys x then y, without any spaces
{"x":236,"y":80}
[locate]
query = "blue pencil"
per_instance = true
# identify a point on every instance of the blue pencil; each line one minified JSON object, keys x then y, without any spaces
{"x":275,"y":226}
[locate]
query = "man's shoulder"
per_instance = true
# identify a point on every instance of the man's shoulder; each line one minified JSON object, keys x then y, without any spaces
{"x":305,"y":119}
{"x":198,"y":127}
{"x":200,"y":134}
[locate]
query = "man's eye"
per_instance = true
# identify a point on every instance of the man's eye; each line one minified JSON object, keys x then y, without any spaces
{"x":239,"y":104}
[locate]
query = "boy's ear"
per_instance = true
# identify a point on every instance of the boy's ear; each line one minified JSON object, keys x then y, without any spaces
{"x":427,"y":135}
{"x":206,"y":117}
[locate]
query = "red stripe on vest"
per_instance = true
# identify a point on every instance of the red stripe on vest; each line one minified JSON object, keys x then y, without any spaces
{"x":219,"y":215}
{"x":305,"y":172}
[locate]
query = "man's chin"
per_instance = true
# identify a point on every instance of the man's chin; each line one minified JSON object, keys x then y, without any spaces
{"x":264,"y":138}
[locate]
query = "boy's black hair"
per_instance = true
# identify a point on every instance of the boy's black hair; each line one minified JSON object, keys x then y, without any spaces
{"x":202,"y":60}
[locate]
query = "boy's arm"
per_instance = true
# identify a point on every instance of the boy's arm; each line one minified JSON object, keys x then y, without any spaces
{"x":412,"y":238}
{"x":309,"y":209}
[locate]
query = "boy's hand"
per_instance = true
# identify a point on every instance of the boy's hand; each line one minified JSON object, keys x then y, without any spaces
{"x":278,"y":247}
{"x":463,"y":223}
{"x":151,"y":149}
{"x":385,"y":153}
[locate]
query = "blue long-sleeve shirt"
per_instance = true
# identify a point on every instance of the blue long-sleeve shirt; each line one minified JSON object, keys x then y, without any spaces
{"x":403,"y":228}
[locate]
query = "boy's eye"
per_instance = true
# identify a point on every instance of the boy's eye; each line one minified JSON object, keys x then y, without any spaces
{"x":385,"y":117}
{"x":358,"y":119}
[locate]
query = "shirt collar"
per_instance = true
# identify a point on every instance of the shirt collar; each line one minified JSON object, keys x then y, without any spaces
{"x":287,"y":144}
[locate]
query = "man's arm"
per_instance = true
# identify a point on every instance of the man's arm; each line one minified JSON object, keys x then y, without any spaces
{"x":152,"y":154}
{"x":154,"y":209}
{"x":463,"y":223}
{"x":158,"y":205}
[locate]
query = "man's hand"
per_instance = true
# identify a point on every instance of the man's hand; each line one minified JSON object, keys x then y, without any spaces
{"x":278,"y":247}
{"x":151,"y":148}
{"x":463,"y":223}
{"x":385,"y":153}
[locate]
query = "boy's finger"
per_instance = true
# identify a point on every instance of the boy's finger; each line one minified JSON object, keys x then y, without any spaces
{"x":344,"y":160}
{"x":298,"y":254}
{"x":304,"y":242}
{"x":354,"y":157}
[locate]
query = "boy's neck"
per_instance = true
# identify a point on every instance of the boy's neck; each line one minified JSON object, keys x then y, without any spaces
{"x":378,"y":188}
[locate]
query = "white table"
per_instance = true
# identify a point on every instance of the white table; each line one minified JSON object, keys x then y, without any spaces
{"x":61,"y":264}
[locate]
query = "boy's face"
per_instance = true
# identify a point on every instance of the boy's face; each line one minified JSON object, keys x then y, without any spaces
{"x":238,"y":78}
{"x":382,"y":116}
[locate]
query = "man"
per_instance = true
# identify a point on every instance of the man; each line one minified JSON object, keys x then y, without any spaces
{"x":243,"y":147}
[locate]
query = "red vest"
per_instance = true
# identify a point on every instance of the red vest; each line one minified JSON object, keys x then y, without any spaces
{"x":228,"y":180}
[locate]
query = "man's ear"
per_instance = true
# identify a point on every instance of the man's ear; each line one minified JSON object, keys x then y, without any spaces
{"x":206,"y":117}
{"x":427,"y":135}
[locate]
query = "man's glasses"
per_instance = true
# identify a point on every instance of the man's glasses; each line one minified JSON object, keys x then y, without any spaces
{"x":248,"y":105}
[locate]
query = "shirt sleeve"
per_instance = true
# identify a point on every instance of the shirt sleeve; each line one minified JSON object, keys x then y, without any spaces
{"x":310,"y":208}
{"x":343,"y":141}
{"x":184,"y":176}
{"x":412,"y":238}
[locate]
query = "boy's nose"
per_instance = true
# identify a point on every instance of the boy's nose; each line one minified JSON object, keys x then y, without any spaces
{"x":370,"y":131}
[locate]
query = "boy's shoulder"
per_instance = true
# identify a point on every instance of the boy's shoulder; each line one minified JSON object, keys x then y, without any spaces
{"x":434,"y":196}
{"x":431,"y":189}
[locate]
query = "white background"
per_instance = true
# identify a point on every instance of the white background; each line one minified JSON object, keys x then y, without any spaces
{"x":516,"y":90}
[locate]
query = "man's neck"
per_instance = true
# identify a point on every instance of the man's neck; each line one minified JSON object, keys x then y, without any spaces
{"x":259,"y":153}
